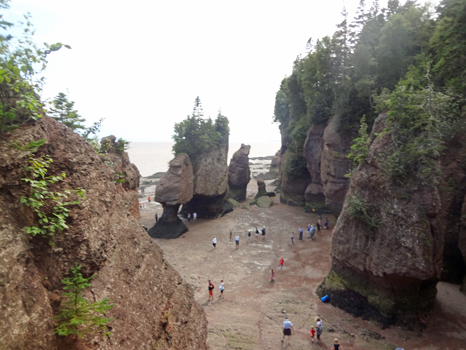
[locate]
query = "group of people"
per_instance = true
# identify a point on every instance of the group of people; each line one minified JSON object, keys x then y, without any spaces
{"x":194,"y":217}
{"x":315,"y":332}
{"x":311,"y":230}
{"x":211,"y":290}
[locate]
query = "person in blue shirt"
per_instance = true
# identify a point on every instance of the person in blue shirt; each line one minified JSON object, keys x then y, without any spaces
{"x":301,"y":233}
{"x":286,"y":328}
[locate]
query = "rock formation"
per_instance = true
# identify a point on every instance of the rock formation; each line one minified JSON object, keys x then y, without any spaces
{"x":153,"y":308}
{"x":175,"y":188}
{"x":275,"y":163}
{"x":312,"y":152}
{"x":261,"y":190}
{"x":387,"y":244}
{"x":239,"y":173}
{"x":210,"y":198}
{"x":293,"y":185}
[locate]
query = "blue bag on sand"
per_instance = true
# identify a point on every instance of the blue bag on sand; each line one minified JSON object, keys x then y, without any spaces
{"x":324,"y":298}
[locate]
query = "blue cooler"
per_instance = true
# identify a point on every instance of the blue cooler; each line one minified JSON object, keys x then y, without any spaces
{"x":324,"y":298}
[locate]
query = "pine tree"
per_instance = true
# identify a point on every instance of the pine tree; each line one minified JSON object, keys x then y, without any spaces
{"x":62,"y":110}
{"x":79,"y":316}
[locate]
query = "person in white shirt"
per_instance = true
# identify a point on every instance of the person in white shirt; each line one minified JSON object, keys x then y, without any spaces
{"x":221,"y":287}
{"x":286,"y":328}
{"x":237,"y":241}
{"x":214,"y":242}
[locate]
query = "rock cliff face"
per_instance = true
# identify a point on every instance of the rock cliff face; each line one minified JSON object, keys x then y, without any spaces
{"x":175,"y":188}
{"x":293,"y":186}
{"x":387,"y":245}
{"x":312,"y":152}
{"x":239,"y":173}
{"x":154,"y":308}
{"x":210,"y":198}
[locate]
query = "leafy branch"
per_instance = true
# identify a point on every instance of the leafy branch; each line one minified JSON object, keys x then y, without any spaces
{"x":41,"y":199}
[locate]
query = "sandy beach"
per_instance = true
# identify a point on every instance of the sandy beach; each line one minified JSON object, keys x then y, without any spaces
{"x":253,"y":311}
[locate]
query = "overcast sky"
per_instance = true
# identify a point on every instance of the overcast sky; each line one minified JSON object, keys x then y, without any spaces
{"x":140,"y":64}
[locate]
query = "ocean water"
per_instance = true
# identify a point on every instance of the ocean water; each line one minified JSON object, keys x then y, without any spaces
{"x":153,"y":157}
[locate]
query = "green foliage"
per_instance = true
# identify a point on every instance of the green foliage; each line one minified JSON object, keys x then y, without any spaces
{"x":420,"y":120}
{"x":62,"y":110}
{"x":31,"y":146}
{"x":359,"y":209}
{"x":49,"y":206}
{"x":196,"y":135}
{"x":106,"y":145}
{"x":119,"y":178}
{"x":360,"y":147}
{"x":449,"y":45}
{"x":78,"y":316}
{"x":21,"y":81}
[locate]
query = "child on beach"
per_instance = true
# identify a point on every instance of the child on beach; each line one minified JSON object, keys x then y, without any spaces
{"x":221,"y":287}
{"x":211,"y":288}
{"x":272,"y":274}
{"x":313,"y":332}
{"x":336,"y":346}
{"x":282,"y":261}
{"x":237,"y":241}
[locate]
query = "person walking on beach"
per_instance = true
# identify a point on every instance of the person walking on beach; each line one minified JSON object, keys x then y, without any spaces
{"x":318,"y":227}
{"x":237,"y":241}
{"x":320,"y":219}
{"x":257,"y":234}
{"x":309,"y":230}
{"x":214,"y":242}
{"x":336,"y":345}
{"x":263,"y":233}
{"x":156,"y":217}
{"x":326,"y":224}
{"x":272,"y":275}
{"x":318,"y":329}
{"x":148,"y":199}
{"x":211,"y":290}
{"x":230,"y":235}
{"x":249,"y":237}
{"x":221,"y":287}
{"x":281,"y":262}
{"x":313,"y":231}
{"x":313,"y":333}
{"x":194,"y":216}
{"x":287,"y":325}
{"x":301,"y":230}
{"x":292,"y":237}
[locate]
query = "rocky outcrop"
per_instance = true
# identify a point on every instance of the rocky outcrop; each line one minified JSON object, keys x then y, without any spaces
{"x":312,"y":152}
{"x":387,"y":244}
{"x":175,"y":188}
{"x":275,"y":163}
{"x":261,"y":189}
{"x":462,"y":242}
{"x":210,"y":199}
{"x":335,"y":165}
{"x":239,"y":173}
{"x":153,"y":308}
{"x":293,"y":184}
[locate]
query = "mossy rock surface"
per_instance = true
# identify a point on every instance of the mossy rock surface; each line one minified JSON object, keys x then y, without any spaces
{"x":264,"y":202}
{"x":234,"y":203}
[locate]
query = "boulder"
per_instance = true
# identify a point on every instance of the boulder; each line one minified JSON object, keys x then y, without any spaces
{"x":210,"y":198}
{"x":261,"y":190}
{"x":387,"y":244}
{"x":239,"y":173}
{"x":174,"y":189}
{"x":104,"y":237}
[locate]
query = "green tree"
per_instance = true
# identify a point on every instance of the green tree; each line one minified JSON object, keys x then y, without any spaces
{"x":62,"y":110}
{"x":196,"y":135}
{"x":78,"y":316}
{"x":21,"y":81}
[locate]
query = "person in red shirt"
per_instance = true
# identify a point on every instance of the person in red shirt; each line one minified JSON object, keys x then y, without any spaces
{"x":313,"y":333}
{"x":282,"y":261}
{"x":211,"y":288}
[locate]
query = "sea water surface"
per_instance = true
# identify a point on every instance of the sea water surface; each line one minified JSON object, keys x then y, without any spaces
{"x":153,"y":157}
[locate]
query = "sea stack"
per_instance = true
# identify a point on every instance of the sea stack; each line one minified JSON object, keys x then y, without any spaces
{"x":239,"y":173}
{"x":175,"y":188}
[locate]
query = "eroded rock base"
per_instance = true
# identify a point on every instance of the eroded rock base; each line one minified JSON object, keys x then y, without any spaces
{"x":388,"y":301}
{"x":169,"y":225}
{"x":207,"y":207}
{"x":238,"y":193}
